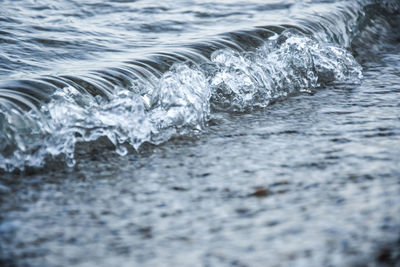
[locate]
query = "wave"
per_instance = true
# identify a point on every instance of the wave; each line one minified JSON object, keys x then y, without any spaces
{"x":173,"y":93}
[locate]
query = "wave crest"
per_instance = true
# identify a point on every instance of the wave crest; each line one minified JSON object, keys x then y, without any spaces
{"x":176,"y":104}
{"x":288,"y":65}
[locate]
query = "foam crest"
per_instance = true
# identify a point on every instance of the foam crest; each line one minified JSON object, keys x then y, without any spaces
{"x":288,"y":65}
{"x":176,"y":104}
{"x":179,"y":104}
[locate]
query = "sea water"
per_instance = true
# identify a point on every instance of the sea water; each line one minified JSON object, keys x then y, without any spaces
{"x":199,"y":133}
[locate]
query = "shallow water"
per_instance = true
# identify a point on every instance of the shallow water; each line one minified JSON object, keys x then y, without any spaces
{"x":246,"y":153}
{"x":150,"y":93}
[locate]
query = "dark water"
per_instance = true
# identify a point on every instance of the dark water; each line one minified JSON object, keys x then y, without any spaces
{"x":195,"y":133}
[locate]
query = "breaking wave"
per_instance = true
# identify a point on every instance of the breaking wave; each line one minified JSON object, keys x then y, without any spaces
{"x":172,"y":94}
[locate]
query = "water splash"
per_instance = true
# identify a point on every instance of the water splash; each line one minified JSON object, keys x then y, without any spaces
{"x":290,"y":64}
{"x":176,"y":104}
{"x":179,"y":103}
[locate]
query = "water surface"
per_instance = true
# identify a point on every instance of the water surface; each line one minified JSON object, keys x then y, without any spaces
{"x":194,"y":133}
